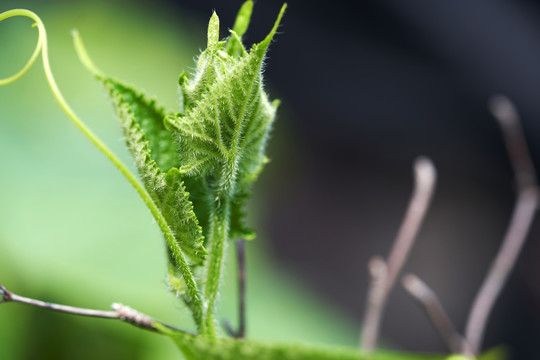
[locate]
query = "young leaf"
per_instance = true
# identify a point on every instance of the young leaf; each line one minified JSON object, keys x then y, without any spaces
{"x":219,"y":136}
{"x":167,"y":190}
{"x":238,"y":228}
{"x":226,"y":117}
{"x":234,"y":45}
{"x":222,"y":130}
{"x":149,"y":117}
{"x":155,"y":152}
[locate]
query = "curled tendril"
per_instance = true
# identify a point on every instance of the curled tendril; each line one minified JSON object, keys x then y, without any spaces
{"x":83,"y":54}
{"x":37,"y":50}
{"x":41,"y":48}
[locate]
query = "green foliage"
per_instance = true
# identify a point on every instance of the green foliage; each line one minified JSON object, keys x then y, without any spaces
{"x":155,"y":152}
{"x":225,"y":117}
{"x":198,"y":347}
{"x":197,"y":165}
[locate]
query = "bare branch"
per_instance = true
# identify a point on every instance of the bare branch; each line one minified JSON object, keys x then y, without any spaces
{"x":507,"y":117}
{"x":125,"y":313}
{"x":120,"y":312}
{"x":425,"y":178}
{"x":8,"y":296}
{"x":241,"y":256}
{"x":375,"y":302}
{"x":241,"y":260}
{"x":435,"y":311}
{"x":522,"y":217}
{"x":229,"y":328}
{"x":514,"y":239}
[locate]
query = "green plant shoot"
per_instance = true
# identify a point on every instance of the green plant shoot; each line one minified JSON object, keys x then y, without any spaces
{"x":197,"y":165}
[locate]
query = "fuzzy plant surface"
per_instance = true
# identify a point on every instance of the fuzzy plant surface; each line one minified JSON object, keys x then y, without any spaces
{"x":195,"y":170}
{"x":197,"y":165}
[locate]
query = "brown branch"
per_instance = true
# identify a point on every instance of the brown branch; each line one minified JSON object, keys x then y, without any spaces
{"x":376,"y":295}
{"x":429,"y":301}
{"x":381,"y":285}
{"x":241,"y":256}
{"x":120,"y":312}
{"x":522,"y":217}
{"x":514,"y":239}
{"x":241,"y":259}
{"x":507,"y":117}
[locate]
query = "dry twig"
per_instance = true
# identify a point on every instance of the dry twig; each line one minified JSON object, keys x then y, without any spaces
{"x":384,"y":274}
{"x":434,"y":309}
{"x":241,"y":261}
{"x":120,"y":312}
{"x":526,"y":203}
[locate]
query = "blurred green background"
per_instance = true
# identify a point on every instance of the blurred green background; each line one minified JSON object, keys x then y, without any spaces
{"x":72,"y":230}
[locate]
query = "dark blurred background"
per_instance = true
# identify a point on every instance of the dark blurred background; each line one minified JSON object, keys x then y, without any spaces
{"x":366,"y":87}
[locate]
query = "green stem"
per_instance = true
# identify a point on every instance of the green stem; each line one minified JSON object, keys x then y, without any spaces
{"x":217,"y":239}
{"x":191,"y":286}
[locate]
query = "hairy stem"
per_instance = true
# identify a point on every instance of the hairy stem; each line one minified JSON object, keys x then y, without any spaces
{"x":218,"y":238}
{"x":191,"y":286}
